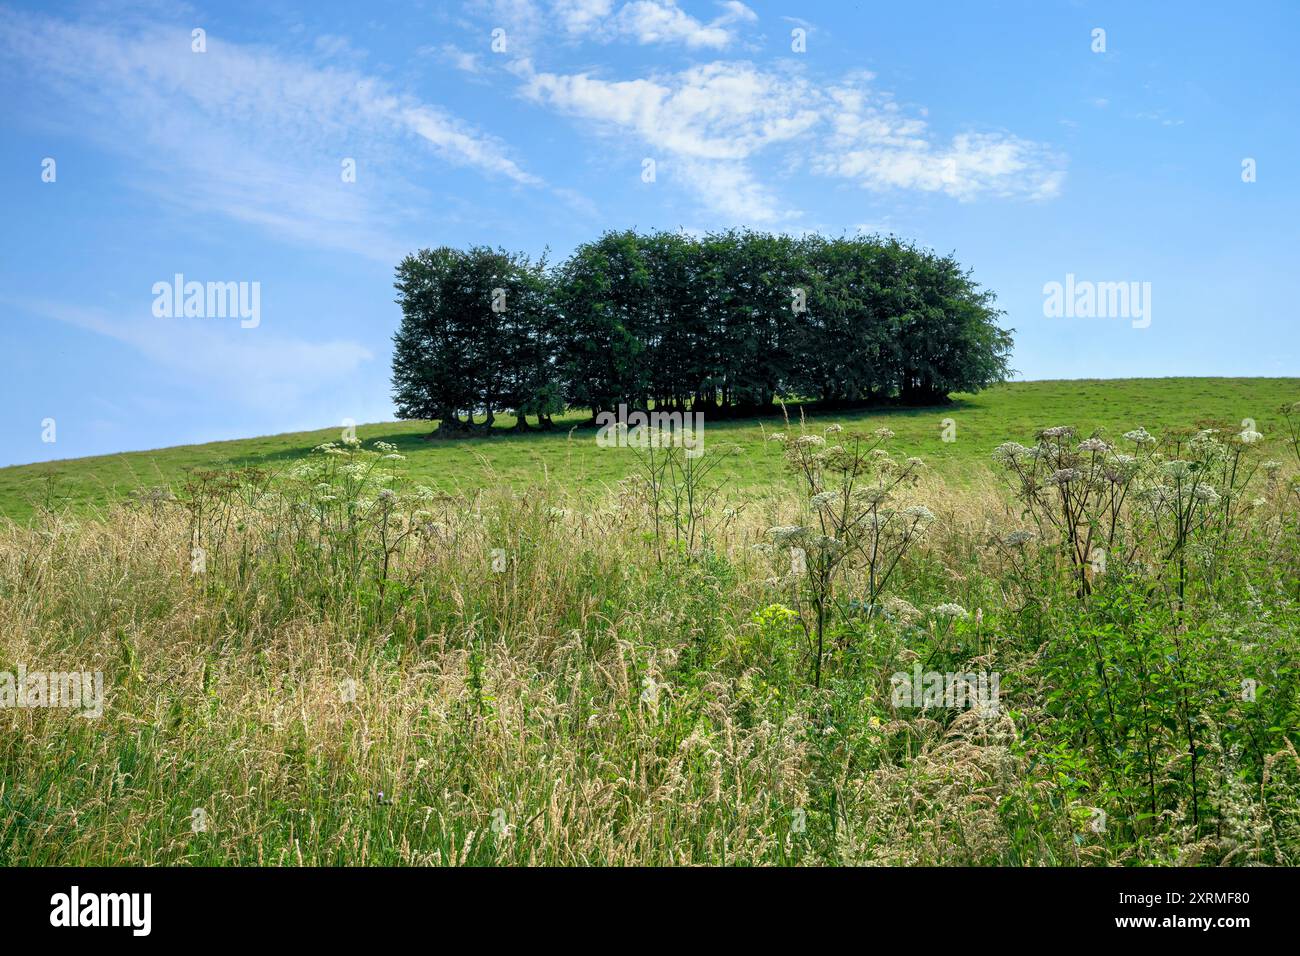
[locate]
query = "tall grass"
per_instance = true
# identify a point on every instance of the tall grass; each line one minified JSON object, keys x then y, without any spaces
{"x":339,"y":666}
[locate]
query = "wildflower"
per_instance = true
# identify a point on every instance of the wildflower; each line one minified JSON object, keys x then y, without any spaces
{"x":884,"y":433}
{"x":808,"y":440}
{"x":1059,"y":431}
{"x":776,"y":436}
{"x":949,"y":610}
{"x":387,"y":496}
{"x":1009,"y":452}
{"x":834,"y":429}
{"x":1140,"y":436}
{"x":919,"y":514}
{"x":1178,"y":470}
{"x":825,"y":500}
{"x":870,"y":496}
{"x":1157,"y":496}
{"x":786,"y":534}
{"x":898,"y":609}
{"x":1249,"y":436}
{"x":1206,"y":494}
{"x":825,"y":544}
{"x":1093,"y":445}
{"x":883,"y":462}
{"x":1063,"y":476}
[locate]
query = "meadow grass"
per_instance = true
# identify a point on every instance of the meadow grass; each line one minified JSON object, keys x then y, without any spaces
{"x":570,"y":460}
{"x":339,"y":664}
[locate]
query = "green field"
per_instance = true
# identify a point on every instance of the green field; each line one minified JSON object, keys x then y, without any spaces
{"x":1083,"y":654}
{"x":571,"y":459}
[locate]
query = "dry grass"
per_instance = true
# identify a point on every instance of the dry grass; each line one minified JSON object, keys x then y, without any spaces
{"x":588,"y":705}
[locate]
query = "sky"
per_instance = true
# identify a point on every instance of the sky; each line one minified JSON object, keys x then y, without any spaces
{"x":302,"y":150}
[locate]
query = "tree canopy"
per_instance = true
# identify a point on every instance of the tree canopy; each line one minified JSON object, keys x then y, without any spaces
{"x":729,"y":322}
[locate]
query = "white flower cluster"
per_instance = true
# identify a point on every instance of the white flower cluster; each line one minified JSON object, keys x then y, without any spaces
{"x":786,"y":534}
{"x":825,"y":500}
{"x":1140,"y":437}
{"x":948,"y":610}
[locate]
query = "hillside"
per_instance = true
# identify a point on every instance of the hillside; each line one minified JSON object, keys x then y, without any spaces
{"x":571,"y":459}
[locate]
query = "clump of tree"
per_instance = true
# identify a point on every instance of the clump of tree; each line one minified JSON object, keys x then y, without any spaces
{"x":728,"y":323}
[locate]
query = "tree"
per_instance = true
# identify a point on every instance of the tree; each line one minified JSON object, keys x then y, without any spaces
{"x":473,"y":338}
{"x":731,"y":321}
{"x":604,"y":301}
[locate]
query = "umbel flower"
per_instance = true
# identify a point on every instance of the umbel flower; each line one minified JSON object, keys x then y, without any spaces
{"x":1009,"y":452}
{"x":786,"y":534}
{"x":1017,"y":539}
{"x":1206,"y":494}
{"x":825,"y":500}
{"x":1063,"y":476}
{"x":948,"y":610}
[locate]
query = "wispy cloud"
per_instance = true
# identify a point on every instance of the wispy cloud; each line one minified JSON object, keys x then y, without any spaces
{"x":256,"y":135}
{"x":252,"y":368}
{"x":714,"y":119}
{"x":644,"y":22}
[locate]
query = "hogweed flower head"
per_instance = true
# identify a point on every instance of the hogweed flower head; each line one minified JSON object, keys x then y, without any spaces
{"x":1140,"y":437}
{"x":948,"y":610}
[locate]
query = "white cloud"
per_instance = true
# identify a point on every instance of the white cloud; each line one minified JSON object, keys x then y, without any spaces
{"x":662,"y":21}
{"x":876,"y":144}
{"x":709,"y":118}
{"x":258,"y":136}
{"x":650,"y":22}
{"x":716,"y":118}
{"x":460,"y":59}
{"x":581,"y":16}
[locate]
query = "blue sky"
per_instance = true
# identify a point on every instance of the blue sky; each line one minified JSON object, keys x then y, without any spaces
{"x":992,"y":130}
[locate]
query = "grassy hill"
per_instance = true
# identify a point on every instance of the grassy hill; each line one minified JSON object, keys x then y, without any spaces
{"x":571,"y":458}
{"x":341,"y":669}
